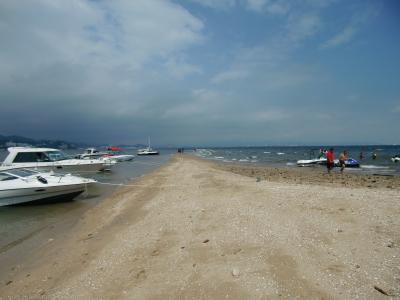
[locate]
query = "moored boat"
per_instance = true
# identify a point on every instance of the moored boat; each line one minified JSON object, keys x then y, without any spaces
{"x":51,"y":159}
{"x":147,"y":151}
{"x":19,"y":186}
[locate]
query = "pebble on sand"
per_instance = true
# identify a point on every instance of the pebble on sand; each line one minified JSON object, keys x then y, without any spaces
{"x":235,"y":272}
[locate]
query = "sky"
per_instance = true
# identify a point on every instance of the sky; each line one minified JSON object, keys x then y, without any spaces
{"x":201,"y":72}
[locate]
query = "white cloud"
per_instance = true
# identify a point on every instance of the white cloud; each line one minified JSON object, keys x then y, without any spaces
{"x":256,"y":5}
{"x":180,"y":69}
{"x":348,"y":33}
{"x":216,"y":4}
{"x":229,"y":75}
{"x":341,"y":38}
{"x":97,"y":36}
{"x":303,"y":26}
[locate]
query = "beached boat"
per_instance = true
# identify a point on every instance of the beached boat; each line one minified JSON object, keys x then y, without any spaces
{"x":51,"y":159}
{"x":147,"y":151}
{"x":28,"y":186}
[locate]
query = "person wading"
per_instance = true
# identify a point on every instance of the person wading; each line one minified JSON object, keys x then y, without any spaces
{"x":342,"y":161}
{"x":329,"y":160}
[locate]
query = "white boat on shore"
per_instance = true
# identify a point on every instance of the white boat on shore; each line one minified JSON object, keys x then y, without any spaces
{"x":19,"y":186}
{"x":51,"y":159}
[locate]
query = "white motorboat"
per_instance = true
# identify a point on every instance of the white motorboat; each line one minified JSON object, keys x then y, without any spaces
{"x":147,"y":151}
{"x":121,"y":157}
{"x":115,"y":154}
{"x":91,"y":153}
{"x":51,"y":159}
{"x":396,"y":158}
{"x":28,"y":186}
{"x":311,"y":162}
{"x":109,"y":156}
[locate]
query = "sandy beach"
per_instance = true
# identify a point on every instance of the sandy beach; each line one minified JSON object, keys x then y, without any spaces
{"x":198,"y":230}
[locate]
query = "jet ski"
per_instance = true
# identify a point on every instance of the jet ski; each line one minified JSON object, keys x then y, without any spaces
{"x":396,"y":158}
{"x":349,"y":163}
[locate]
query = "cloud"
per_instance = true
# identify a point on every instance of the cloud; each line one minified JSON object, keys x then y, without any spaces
{"x":303,"y":26}
{"x":216,"y":4}
{"x":256,"y":5}
{"x":229,"y":75}
{"x":341,"y":38}
{"x":358,"y":20}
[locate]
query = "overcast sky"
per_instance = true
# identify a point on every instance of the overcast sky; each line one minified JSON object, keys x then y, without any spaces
{"x":201,"y":72}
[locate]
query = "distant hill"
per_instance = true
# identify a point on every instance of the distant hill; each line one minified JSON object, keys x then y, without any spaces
{"x":15,"y":140}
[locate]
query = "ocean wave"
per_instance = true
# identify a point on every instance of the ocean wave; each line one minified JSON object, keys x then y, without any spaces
{"x":280,"y":153}
{"x":373,"y":167}
{"x":266,"y":152}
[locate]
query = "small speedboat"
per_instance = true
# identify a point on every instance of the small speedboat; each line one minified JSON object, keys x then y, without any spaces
{"x":396,"y":158}
{"x":114,"y":154}
{"x":311,"y":162}
{"x":19,"y":186}
{"x":91,"y":153}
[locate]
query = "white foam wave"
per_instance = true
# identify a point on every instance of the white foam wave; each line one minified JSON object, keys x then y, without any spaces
{"x":373,"y":167}
{"x":280,"y":153}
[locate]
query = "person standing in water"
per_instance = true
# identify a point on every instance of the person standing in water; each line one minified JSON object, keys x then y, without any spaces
{"x":342,"y":161}
{"x":329,"y":160}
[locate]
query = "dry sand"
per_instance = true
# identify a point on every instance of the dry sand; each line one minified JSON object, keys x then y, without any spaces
{"x":195,"y":230}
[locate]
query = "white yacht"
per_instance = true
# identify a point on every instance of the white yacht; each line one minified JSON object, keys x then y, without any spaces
{"x":50,"y":159}
{"x":147,"y":151}
{"x":28,"y":186}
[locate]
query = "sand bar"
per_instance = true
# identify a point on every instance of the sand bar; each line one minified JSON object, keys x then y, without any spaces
{"x":197,"y":230}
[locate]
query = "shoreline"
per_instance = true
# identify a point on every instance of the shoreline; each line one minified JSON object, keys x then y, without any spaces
{"x":194,"y":229}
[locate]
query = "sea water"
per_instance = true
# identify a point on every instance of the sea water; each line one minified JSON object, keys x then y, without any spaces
{"x":279,"y":156}
{"x":21,"y":223}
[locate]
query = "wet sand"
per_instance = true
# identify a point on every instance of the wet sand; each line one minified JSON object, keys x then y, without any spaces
{"x":197,"y":230}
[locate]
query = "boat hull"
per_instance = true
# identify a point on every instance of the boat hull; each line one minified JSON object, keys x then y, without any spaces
{"x":56,"y":167}
{"x":148,"y":153}
{"x":40,"y":194}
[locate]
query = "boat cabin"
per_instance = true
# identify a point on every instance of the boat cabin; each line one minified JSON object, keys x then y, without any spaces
{"x":29,"y":155}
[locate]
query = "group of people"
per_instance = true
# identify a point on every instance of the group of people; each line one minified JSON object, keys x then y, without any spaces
{"x":330,"y":159}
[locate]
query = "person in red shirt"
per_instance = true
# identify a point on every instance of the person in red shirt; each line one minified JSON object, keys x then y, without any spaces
{"x":329,"y":160}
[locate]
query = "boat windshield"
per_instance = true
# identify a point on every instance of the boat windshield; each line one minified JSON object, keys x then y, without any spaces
{"x":56,"y":155}
{"x":5,"y":176}
{"x":22,"y":172}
